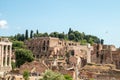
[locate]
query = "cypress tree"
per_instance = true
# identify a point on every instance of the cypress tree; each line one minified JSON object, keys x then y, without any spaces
{"x":37,"y":32}
{"x":26,"y":34}
{"x":31,"y":34}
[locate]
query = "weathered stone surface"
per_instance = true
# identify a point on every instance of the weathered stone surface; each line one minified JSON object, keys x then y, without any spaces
{"x":106,"y":54}
{"x":5,"y":54}
{"x":51,"y":47}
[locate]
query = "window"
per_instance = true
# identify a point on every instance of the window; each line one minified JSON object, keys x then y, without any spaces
{"x":44,"y":43}
{"x":48,"y":42}
{"x":43,"y":48}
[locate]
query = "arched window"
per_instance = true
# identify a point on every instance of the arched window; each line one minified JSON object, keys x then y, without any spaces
{"x":72,"y":52}
{"x":48,"y":42}
{"x":44,"y":43}
{"x":43,"y":47}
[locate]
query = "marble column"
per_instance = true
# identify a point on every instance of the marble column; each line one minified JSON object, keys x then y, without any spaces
{"x":2,"y":51}
{"x":10,"y":51}
{"x":6,"y":54}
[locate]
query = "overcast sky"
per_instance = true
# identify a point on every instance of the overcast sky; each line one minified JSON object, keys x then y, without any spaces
{"x":97,"y":17}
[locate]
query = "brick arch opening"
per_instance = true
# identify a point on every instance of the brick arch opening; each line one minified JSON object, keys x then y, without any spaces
{"x":48,"y":42}
{"x":44,"y":43}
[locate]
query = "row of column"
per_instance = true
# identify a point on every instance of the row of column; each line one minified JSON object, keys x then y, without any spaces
{"x":5,"y":55}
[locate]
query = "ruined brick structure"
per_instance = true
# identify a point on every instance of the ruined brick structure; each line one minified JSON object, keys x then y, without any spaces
{"x":106,"y":54}
{"x":51,"y":47}
{"x":116,"y":58}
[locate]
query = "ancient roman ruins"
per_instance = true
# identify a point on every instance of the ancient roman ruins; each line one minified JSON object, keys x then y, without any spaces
{"x":67,"y":57}
{"x":5,"y":55}
{"x":54,"y":47}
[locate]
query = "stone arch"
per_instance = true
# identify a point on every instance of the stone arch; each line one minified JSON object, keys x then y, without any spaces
{"x":44,"y":43}
{"x":48,"y":42}
{"x":43,"y":47}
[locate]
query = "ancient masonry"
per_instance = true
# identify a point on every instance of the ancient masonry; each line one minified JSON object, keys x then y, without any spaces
{"x":51,"y":47}
{"x":54,"y":47}
{"x":106,"y":54}
{"x":5,"y":55}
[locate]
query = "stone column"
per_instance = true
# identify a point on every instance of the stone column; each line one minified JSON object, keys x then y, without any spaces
{"x":89,"y":56}
{"x":2,"y":51}
{"x":10,"y":51}
{"x":88,"y":53}
{"x":6,"y":54}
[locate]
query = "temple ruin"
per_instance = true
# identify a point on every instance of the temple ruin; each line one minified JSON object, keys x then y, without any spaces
{"x":5,"y":55}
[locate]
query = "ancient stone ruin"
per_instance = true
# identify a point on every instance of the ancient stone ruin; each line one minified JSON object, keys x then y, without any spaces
{"x":5,"y":55}
{"x":106,"y":54}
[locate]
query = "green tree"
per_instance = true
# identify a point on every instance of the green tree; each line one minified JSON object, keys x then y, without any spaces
{"x":26,"y":34}
{"x":22,"y":56}
{"x":26,"y":75}
{"x":12,"y":38}
{"x":22,"y":37}
{"x":83,"y":42}
{"x":71,"y":36}
{"x":82,"y":35}
{"x":37,"y":32}
{"x":70,"y":31}
{"x":61,"y":36}
{"x":45,"y":34}
{"x":19,"y":37}
{"x":31,"y":33}
{"x":17,"y":44}
{"x":54,"y":34}
{"x":102,"y":41}
{"x":91,"y":40}
{"x":50,"y":75}
{"x":38,"y":35}
{"x":77,"y":34}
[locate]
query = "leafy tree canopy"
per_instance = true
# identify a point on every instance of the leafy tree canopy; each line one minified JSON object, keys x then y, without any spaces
{"x":18,"y":44}
{"x":71,"y":35}
{"x":50,"y":75}
{"x":22,"y":56}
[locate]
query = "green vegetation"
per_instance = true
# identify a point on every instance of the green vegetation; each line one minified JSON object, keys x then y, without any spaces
{"x":13,"y":65}
{"x":26,"y":34}
{"x":72,"y":35}
{"x":50,"y":75}
{"x":17,"y":45}
{"x":22,"y":56}
{"x":68,"y":77}
{"x":26,"y":75}
{"x":31,"y":34}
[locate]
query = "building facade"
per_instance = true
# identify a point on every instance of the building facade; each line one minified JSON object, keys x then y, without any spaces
{"x":52,"y":47}
{"x":106,"y":54}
